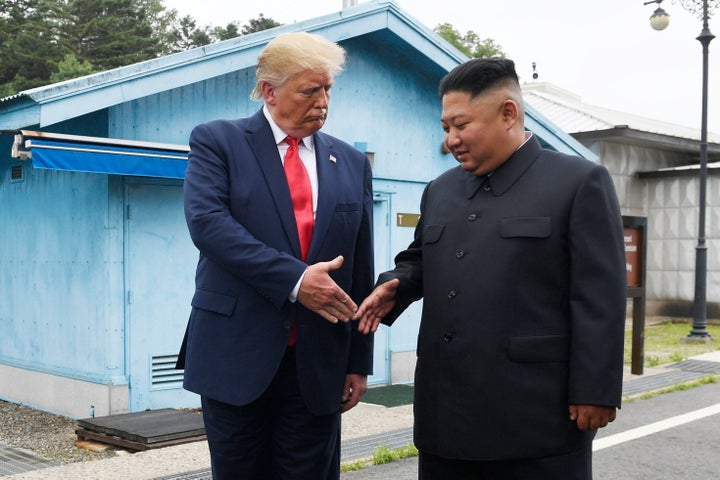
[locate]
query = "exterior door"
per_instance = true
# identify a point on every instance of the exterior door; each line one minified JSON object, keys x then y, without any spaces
{"x":159,"y":282}
{"x":381,"y":233}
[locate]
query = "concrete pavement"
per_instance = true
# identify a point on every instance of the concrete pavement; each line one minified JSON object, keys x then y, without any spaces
{"x":365,"y":428}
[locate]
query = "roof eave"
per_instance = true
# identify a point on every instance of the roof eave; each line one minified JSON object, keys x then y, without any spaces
{"x":627,"y":135}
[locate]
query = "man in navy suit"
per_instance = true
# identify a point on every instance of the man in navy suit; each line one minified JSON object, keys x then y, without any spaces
{"x":269,"y":347}
{"x":519,"y":258}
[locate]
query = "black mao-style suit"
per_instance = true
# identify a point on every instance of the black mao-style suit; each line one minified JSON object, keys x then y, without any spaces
{"x":522,"y":275}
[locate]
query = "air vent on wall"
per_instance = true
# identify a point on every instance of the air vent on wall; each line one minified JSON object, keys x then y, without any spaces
{"x":164,"y":373}
{"x":17,"y":173}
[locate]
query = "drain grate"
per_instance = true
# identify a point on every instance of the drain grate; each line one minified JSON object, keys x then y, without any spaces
{"x":364,"y":447}
{"x":700,"y":366}
{"x":353,"y":449}
{"x":15,"y":460}
{"x":656,"y":382}
{"x":685,"y":371}
{"x":204,"y":474}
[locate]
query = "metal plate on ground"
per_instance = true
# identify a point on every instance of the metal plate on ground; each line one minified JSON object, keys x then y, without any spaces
{"x":144,"y":430}
{"x":15,"y":460}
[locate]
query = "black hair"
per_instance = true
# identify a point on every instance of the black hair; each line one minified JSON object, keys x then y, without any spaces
{"x":477,"y":75}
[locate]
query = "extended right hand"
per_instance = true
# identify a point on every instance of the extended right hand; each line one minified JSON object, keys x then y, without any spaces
{"x":376,"y":306}
{"x":322,"y":295}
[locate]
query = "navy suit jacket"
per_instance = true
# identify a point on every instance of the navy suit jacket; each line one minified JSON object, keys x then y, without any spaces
{"x":522,"y":276}
{"x":240,"y":217}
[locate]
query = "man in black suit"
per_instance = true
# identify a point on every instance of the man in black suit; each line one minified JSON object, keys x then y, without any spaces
{"x":519,"y":260}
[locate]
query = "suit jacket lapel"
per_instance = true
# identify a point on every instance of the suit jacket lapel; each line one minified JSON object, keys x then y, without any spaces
{"x":327,"y":170}
{"x":263,"y":144}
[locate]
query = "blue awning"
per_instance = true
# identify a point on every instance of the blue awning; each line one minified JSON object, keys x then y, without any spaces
{"x":77,"y":157}
{"x":136,"y":158}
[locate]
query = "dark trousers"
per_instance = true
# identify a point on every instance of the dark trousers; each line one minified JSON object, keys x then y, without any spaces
{"x":273,"y":438}
{"x":575,"y":465}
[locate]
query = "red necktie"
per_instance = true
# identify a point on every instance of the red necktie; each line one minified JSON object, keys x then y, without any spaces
{"x":301,"y":194}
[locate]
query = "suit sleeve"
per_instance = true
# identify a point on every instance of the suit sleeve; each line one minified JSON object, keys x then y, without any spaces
{"x":218,"y":235}
{"x":597,"y":293}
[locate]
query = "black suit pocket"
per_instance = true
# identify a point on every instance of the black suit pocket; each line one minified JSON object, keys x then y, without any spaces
{"x":531,"y":227}
{"x":214,"y":302}
{"x":539,"y":348}
{"x":432,"y":233}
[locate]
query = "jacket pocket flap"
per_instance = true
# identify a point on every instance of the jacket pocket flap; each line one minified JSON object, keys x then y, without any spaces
{"x":432,"y":233}
{"x":347,"y":207}
{"x":545,"y":348}
{"x":214,"y":302}
{"x":534,"y":227}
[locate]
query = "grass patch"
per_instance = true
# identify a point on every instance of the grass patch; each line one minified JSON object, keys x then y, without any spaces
{"x":353,"y":466}
{"x":663,"y":343}
{"x":381,"y":455}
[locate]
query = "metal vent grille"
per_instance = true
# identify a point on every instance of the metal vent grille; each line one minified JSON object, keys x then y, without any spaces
{"x":164,"y":373}
{"x":17,"y":173}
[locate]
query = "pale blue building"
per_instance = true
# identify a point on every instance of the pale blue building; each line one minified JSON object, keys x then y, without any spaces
{"x":96,"y":266}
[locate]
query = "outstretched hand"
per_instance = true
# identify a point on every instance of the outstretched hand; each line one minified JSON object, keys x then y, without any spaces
{"x":376,"y":306}
{"x":319,"y":293}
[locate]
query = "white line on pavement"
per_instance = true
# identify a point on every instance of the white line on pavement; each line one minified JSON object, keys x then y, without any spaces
{"x":656,"y":427}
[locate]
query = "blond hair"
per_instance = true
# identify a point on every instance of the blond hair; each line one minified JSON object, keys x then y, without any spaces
{"x":292,"y":53}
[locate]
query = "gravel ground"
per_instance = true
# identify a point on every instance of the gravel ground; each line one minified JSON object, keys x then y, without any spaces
{"x":53,"y":436}
{"x":49,"y":436}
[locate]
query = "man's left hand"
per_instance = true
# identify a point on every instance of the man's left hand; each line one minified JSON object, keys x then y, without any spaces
{"x":355,"y":388}
{"x":591,"y":417}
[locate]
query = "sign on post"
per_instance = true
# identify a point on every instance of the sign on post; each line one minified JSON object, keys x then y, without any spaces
{"x":635,"y":233}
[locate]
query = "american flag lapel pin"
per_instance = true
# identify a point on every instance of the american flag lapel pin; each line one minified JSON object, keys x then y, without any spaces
{"x":333,"y":159}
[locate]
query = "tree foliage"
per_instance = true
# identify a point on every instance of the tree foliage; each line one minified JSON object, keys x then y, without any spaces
{"x":259,"y":24}
{"x":470,"y":43}
{"x":28,"y":45}
{"x":44,"y":41}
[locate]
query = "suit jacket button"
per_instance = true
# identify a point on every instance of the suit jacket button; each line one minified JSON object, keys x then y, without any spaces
{"x":447,"y":338}
{"x":452,"y":294}
{"x":487,"y":187}
{"x":472,"y":216}
{"x":460,"y":254}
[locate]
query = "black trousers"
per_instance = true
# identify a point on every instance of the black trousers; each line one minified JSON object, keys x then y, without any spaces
{"x":273,"y":438}
{"x":575,"y":465}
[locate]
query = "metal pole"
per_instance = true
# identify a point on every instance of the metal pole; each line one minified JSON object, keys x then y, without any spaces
{"x":699,"y":327}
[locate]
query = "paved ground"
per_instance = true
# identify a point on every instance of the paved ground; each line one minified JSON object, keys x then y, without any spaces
{"x":369,"y":426}
{"x":668,"y":437}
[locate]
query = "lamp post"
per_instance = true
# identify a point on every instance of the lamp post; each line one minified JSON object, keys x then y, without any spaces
{"x":659,"y":20}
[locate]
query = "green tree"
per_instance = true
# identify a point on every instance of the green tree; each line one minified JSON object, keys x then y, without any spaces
{"x":227,"y":32}
{"x":43,"y":41}
{"x":27,"y":47}
{"x":186,"y":35}
{"x":470,"y":43}
{"x":113,"y":33}
{"x":259,"y":24}
{"x":70,"y":67}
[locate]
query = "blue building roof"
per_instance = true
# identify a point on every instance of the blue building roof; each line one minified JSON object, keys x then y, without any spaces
{"x":382,"y":20}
